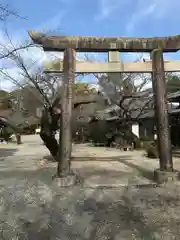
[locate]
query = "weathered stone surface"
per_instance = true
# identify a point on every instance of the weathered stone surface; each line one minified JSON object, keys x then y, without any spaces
{"x":104,"y":44}
{"x":70,"y":180}
{"x":161,"y":111}
{"x":163,"y":176}
{"x":56,"y":66}
{"x":65,"y":138}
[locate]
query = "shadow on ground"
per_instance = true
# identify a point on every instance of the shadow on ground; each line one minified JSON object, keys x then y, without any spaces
{"x":7,"y":152}
{"x":99,"y":176}
{"x":104,"y":173}
{"x":101,"y":159}
{"x":41,"y":174}
{"x":95,"y":158}
{"x":90,"y":177}
{"x":149,"y":174}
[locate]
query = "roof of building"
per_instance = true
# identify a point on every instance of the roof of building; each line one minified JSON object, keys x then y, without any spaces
{"x":17,"y":117}
{"x":174,"y":96}
{"x":136,"y":108}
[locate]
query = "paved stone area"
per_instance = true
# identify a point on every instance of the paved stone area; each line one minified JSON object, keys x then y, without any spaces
{"x":33,"y":207}
{"x":99,"y":166}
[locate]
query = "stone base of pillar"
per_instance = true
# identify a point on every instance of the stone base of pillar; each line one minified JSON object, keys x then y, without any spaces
{"x":163,"y":176}
{"x":69,"y":180}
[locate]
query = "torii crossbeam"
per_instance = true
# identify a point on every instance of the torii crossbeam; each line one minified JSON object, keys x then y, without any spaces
{"x":56,"y":66}
{"x":105,"y":44}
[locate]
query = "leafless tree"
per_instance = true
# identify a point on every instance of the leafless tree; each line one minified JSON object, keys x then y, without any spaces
{"x":130,"y":94}
{"x":6,"y":11}
{"x":30,"y":72}
{"x":41,"y":87}
{"x":10,"y":52}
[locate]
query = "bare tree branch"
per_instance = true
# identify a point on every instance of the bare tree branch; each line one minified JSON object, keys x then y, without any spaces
{"x":6,"y":11}
{"x":125,"y":93}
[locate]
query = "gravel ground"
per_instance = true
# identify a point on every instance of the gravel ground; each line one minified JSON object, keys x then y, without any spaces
{"x":30,"y":209}
{"x":33,"y":207}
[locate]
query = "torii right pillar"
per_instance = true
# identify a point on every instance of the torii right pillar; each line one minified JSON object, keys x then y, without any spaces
{"x":166,"y":171}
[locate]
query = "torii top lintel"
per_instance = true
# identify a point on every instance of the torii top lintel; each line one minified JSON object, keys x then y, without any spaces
{"x":105,"y":44}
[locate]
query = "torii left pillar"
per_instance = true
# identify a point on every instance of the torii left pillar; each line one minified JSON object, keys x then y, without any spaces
{"x":65,"y":138}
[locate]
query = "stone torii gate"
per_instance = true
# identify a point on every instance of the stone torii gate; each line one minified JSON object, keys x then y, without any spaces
{"x":155,"y":46}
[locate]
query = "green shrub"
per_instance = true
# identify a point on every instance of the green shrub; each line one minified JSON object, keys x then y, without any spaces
{"x":151,"y":149}
{"x":146,"y":139}
{"x":141,"y":143}
{"x":97,"y":132}
{"x":138,"y":144}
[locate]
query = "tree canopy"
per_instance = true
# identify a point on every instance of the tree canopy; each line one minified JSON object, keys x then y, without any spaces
{"x":173,"y":83}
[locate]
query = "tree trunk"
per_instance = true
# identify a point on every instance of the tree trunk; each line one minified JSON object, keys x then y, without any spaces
{"x":18,"y":138}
